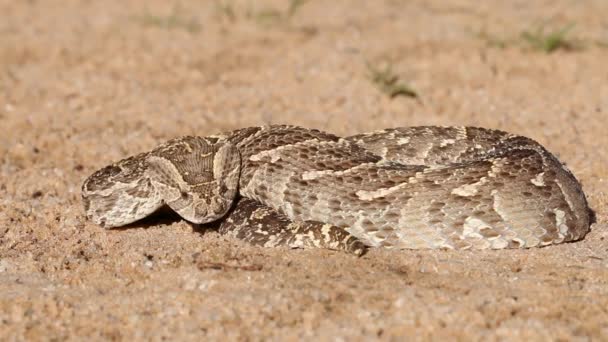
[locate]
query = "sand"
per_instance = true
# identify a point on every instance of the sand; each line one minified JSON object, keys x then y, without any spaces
{"x":85,"y":83}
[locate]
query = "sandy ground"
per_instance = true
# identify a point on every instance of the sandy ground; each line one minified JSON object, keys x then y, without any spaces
{"x":84,"y":83}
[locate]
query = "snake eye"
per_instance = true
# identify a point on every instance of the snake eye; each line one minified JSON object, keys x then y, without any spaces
{"x":184,"y":195}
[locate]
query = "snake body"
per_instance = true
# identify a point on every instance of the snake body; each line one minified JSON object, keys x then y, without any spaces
{"x":416,"y":187}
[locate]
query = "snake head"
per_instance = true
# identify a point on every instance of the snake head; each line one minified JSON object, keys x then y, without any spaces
{"x":196,"y":177}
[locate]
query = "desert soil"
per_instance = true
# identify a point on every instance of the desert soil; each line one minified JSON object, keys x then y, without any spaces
{"x":85,"y":83}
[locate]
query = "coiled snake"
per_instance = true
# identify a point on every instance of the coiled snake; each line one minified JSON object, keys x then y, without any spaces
{"x":417,"y":187}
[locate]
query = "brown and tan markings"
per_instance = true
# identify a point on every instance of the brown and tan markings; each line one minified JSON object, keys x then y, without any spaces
{"x":417,"y":187}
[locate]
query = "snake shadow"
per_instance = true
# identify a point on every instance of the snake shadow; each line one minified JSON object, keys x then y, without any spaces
{"x":166,"y":216}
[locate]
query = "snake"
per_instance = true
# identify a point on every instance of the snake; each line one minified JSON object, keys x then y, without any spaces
{"x":423,"y":187}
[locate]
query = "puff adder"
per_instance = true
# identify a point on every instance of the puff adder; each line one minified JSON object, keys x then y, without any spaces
{"x":411,"y":188}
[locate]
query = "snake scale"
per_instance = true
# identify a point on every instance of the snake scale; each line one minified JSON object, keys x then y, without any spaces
{"x":410,"y":188}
